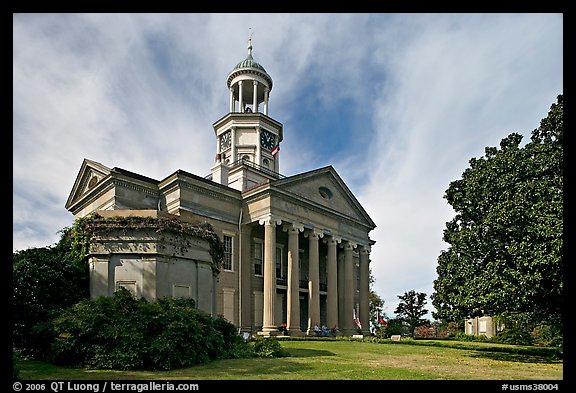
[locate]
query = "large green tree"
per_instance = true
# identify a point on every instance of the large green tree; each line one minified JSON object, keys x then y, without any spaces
{"x":411,"y":309}
{"x":505,"y":241}
{"x":45,"y":281}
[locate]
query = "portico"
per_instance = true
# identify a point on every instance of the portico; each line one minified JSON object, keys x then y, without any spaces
{"x":315,"y":254}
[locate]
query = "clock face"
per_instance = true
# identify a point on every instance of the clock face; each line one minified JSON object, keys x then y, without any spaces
{"x":267,"y":140}
{"x":225,"y":140}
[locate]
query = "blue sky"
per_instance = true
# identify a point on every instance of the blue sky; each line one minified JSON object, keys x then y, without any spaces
{"x":396,"y":103}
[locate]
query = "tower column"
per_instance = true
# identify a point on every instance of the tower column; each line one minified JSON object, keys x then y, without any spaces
{"x":365,"y":290}
{"x":268,"y":323}
{"x":293,"y":293}
{"x":255,"y":98}
{"x":266,"y":90}
{"x":231,"y":99}
{"x":313,"y":280}
{"x":240,"y":98}
{"x":332,"y":284}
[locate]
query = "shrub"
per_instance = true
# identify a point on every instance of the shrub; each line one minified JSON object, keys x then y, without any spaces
{"x":424,"y":331}
{"x":469,"y":337}
{"x":513,"y":335}
{"x":15,"y":369}
{"x":547,"y":336}
{"x":268,"y":347}
{"x":124,"y":333}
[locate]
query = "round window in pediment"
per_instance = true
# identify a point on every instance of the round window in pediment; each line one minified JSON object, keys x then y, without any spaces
{"x":325,"y":192}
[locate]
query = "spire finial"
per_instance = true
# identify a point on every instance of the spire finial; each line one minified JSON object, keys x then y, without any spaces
{"x":250,"y":41}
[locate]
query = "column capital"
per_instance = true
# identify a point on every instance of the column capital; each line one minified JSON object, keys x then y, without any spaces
{"x":332,"y":240}
{"x":293,"y":227}
{"x":270,"y":220}
{"x":255,"y":83}
{"x":349,"y":245}
{"x":364,"y":249}
{"x":314,"y":233}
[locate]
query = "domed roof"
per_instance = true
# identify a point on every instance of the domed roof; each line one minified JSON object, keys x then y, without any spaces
{"x":249,"y":62}
{"x":249,"y":66}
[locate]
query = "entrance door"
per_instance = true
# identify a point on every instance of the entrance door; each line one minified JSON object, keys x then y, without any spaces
{"x":303,"y":313}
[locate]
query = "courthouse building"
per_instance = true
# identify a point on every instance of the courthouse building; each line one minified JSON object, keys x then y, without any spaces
{"x":297,"y":248}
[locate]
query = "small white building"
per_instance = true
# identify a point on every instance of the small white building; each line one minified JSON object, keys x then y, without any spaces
{"x":484,"y":325}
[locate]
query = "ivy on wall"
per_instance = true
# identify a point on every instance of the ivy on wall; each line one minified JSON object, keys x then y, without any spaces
{"x":86,"y":229}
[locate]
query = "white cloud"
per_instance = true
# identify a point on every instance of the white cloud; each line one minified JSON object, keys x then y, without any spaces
{"x":460,"y":86}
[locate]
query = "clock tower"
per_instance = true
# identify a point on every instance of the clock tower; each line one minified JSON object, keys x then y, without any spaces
{"x":247,"y":139}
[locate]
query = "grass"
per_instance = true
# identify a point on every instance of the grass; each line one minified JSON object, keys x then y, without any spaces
{"x":346,"y":360}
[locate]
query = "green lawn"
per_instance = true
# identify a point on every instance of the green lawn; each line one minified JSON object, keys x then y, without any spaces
{"x":345,"y":360}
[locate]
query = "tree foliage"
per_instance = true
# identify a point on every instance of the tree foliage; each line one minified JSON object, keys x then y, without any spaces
{"x":411,"y":309}
{"x":45,"y":281}
{"x":506,"y":239}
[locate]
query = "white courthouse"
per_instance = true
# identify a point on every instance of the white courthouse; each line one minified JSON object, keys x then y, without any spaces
{"x":297,"y":248}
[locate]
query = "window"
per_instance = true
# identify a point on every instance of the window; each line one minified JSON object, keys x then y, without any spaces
{"x":227,"y":265}
{"x":258,"y":257}
{"x":279,"y":263}
{"x":325,"y":192}
{"x":482,"y":326}
{"x":302,"y":265}
{"x":129,"y":285}
{"x":181,"y":291}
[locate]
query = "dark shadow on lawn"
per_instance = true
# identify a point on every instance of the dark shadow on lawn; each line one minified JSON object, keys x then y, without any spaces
{"x":514,"y":357}
{"x":307,"y":353}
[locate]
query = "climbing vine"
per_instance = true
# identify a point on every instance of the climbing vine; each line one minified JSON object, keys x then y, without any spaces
{"x":85,"y":230}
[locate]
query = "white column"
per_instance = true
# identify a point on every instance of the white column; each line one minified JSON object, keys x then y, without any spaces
{"x":293,"y":299}
{"x":332,"y":284}
{"x":313,"y":280}
{"x":266,"y":90}
{"x":348,"y":325}
{"x":268,"y":321}
{"x":231,"y":99}
{"x":255,"y":98}
{"x":240,"y":98}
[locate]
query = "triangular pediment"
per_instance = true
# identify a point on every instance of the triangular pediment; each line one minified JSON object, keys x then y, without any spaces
{"x":326,"y":188}
{"x":91,"y":173}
